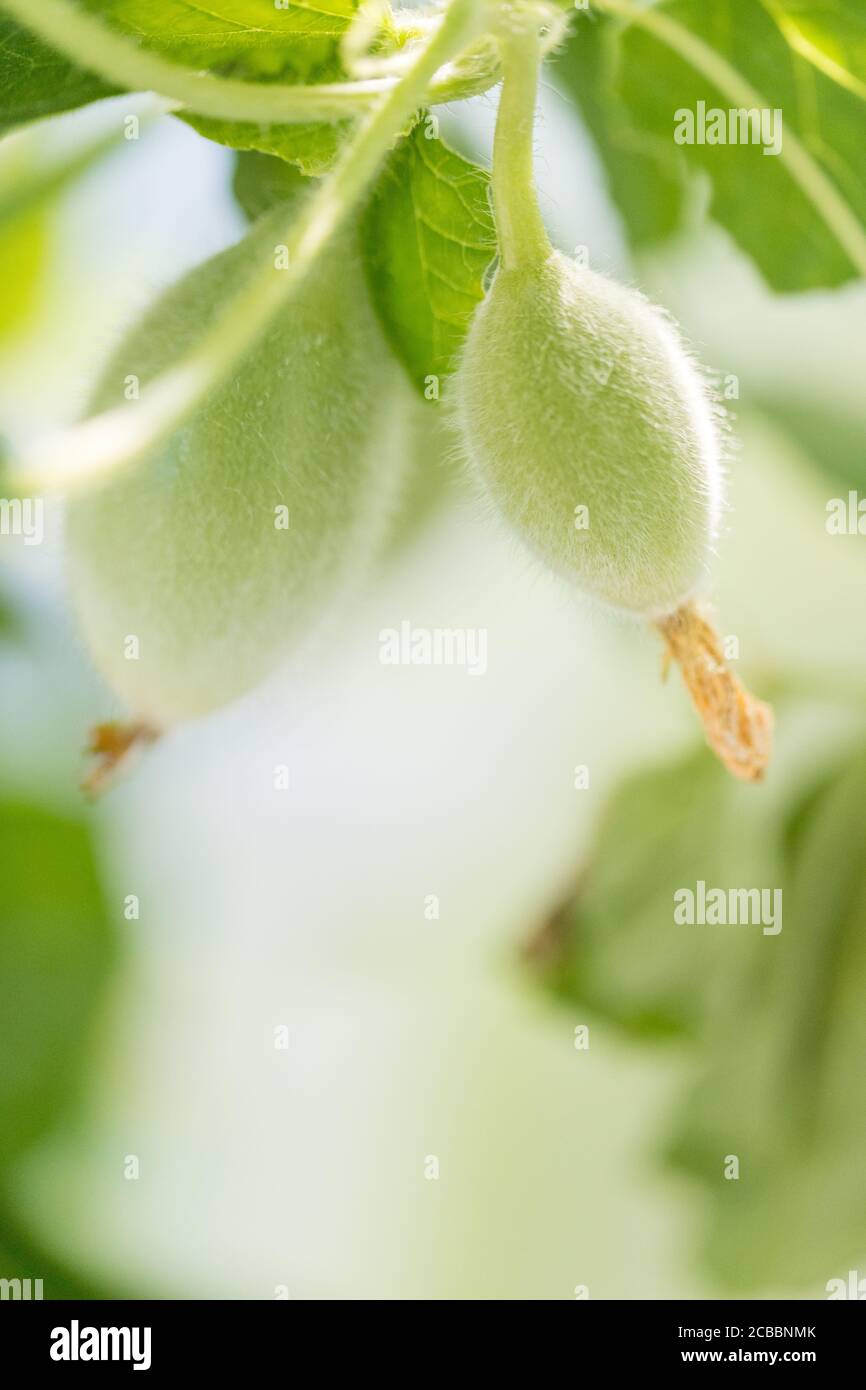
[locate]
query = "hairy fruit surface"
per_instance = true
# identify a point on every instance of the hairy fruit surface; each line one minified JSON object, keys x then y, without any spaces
{"x":593,"y":432}
{"x":220,"y":549}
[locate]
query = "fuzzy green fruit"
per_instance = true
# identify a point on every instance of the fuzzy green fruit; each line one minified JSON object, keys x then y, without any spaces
{"x":575,"y":392}
{"x":188,"y":552}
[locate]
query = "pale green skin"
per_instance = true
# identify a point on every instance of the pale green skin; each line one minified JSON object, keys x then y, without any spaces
{"x":575,"y":391}
{"x":182,"y":551}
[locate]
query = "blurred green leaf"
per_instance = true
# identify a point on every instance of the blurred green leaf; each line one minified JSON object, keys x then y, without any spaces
{"x":23,"y":244}
{"x":250,"y":40}
{"x":29,"y":189}
{"x":428,"y":241}
{"x":55,"y":952}
{"x":36,"y":81}
{"x":646,"y":184}
{"x":800,"y":214}
{"x":245,"y":39}
{"x":782,"y":1085}
{"x":777,"y":1023}
{"x":615,"y":947}
{"x":22,"y":1257}
{"x":260,"y":182}
{"x":29,"y":181}
{"x":828,"y":34}
{"x":832,"y":438}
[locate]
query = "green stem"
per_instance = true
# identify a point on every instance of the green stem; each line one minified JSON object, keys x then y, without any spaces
{"x":122,"y":62}
{"x":90,"y":451}
{"x":520,"y":229}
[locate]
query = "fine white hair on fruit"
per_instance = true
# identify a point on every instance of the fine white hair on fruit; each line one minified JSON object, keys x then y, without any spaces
{"x":182,"y":551}
{"x":576,"y":392}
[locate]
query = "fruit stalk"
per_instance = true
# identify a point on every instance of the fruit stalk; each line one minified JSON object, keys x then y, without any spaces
{"x":520,"y":229}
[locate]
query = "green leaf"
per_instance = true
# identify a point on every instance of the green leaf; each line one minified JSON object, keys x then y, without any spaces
{"x":55,"y":951}
{"x":36,"y":81}
{"x":829,"y":34}
{"x":800,"y":214}
{"x":428,"y":241}
{"x":30,"y":187}
{"x":260,"y":182}
{"x":776,"y":1023}
{"x":23,"y":1257}
{"x":647,"y":186}
{"x":615,"y":946}
{"x":782,"y":1085}
{"x":251,"y":40}
{"x":311,"y":147}
{"x":831,"y":436}
{"x":255,"y":35}
{"x":23,"y":246}
{"x":30,"y":182}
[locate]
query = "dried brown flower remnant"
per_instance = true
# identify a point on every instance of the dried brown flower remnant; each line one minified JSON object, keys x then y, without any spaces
{"x":739,"y":727}
{"x":112,"y":746}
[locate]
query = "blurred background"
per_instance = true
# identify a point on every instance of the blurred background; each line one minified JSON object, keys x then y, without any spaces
{"x":320,"y":1042}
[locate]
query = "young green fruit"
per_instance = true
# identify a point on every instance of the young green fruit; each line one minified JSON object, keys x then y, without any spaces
{"x":593,"y":433}
{"x":196,"y":570}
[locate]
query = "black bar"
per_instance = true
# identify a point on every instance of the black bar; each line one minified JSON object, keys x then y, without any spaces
{"x":218,"y":1338}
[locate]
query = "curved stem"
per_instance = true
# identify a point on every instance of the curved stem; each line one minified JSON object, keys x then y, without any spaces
{"x":90,"y":451}
{"x":519,"y":226}
{"x":119,"y":60}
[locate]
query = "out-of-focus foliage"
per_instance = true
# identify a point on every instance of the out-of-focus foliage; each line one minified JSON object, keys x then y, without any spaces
{"x":22,"y":249}
{"x":832,"y":438}
{"x":55,"y":952}
{"x":247,"y":39}
{"x":776,"y":1022}
{"x":23,"y":1258}
{"x":260,"y":181}
{"x":616,"y":947}
{"x":37,"y":81}
{"x":30,"y":185}
{"x":57,"y":949}
{"x":648,"y":187}
{"x":800,"y":213}
{"x":781,"y":1080}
